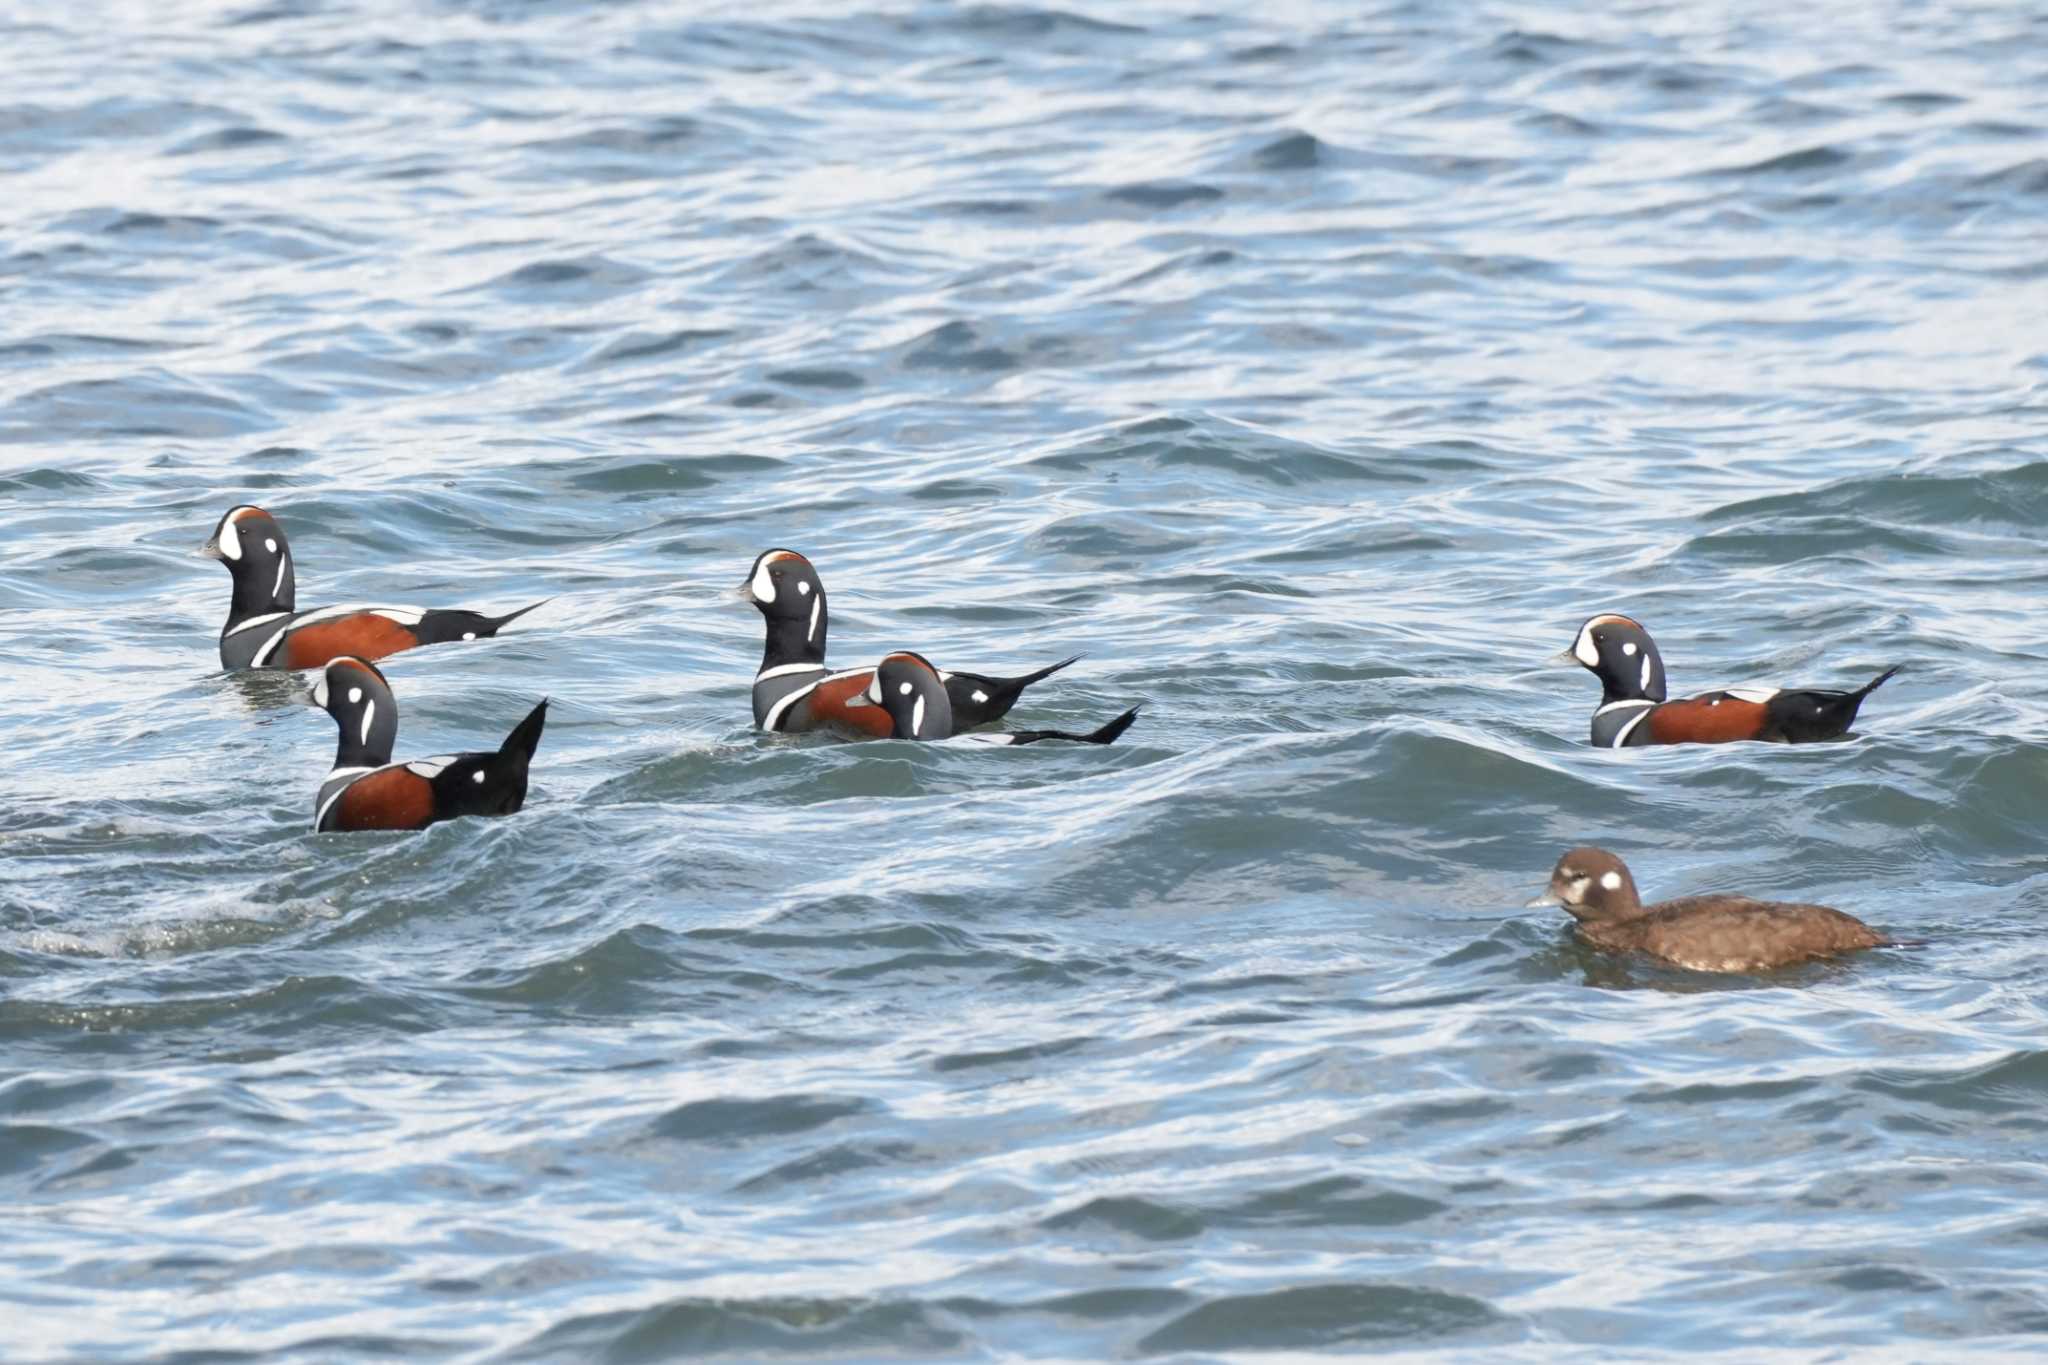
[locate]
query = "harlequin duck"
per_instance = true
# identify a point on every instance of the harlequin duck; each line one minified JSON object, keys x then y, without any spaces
{"x":366,"y":790}
{"x":264,"y":630}
{"x":917,"y":700}
{"x":1633,"y":711}
{"x":1712,"y":933}
{"x":794,"y":691}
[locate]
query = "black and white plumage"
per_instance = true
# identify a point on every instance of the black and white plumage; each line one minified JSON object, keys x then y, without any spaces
{"x":365,"y":790}
{"x":265,"y":629}
{"x":909,"y":690}
{"x":794,"y":690}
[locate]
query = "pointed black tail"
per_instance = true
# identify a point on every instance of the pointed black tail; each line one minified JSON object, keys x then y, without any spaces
{"x":1106,"y":735}
{"x":1879,"y":681}
{"x":978,"y":699}
{"x":498,"y":623}
{"x":525,"y":736}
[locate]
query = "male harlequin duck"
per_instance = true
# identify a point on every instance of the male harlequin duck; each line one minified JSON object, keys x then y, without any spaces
{"x":794,"y":691}
{"x":917,"y":701}
{"x":366,"y":790}
{"x":265,"y":631}
{"x":1712,"y":933}
{"x":1633,"y":711}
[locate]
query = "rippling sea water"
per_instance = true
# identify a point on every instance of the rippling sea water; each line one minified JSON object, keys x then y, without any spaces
{"x":1314,"y":369}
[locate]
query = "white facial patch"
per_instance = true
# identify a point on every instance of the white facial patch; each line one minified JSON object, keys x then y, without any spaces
{"x":803,"y":589}
{"x":477,"y":777}
{"x":1612,"y":881}
{"x":1628,"y":647}
{"x":763,"y":586}
{"x":1584,"y":650}
{"x":1646,"y":673}
{"x":916,"y":713}
{"x":1577,"y":891}
{"x":320,"y":694}
{"x":270,"y":544}
{"x":904,"y":689}
{"x":229,"y":539}
{"x":369,"y":715}
{"x":355,"y":694}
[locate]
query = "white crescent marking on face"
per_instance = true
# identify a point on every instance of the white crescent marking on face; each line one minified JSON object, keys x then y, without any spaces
{"x":817,"y":610}
{"x":1583,"y":648}
{"x":916,"y":714}
{"x":229,"y":539}
{"x":320,"y":694}
{"x":763,"y":586}
{"x":1612,"y":881}
{"x":369,"y":715}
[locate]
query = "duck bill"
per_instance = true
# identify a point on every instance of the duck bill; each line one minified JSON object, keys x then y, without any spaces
{"x":1547,"y":901}
{"x":1564,"y":658}
{"x":210,"y":550}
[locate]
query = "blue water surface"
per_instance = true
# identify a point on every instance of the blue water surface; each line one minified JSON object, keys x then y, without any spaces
{"x":1313,"y":369}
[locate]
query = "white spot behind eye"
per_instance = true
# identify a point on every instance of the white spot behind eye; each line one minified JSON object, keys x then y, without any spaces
{"x":477,"y":777}
{"x":905,"y":689}
{"x":1628,"y":647}
{"x":1612,"y":881}
{"x":270,"y":544}
{"x":763,"y":586}
{"x":803,"y":589}
{"x":355,"y":694}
